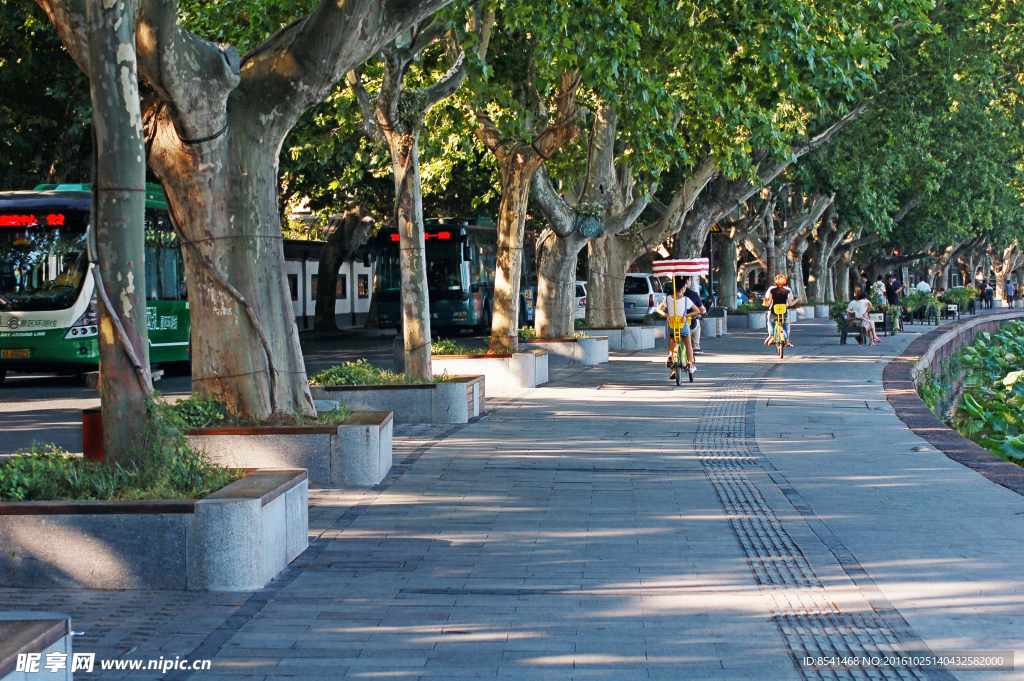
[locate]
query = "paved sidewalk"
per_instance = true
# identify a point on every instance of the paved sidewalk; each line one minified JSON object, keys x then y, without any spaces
{"x":612,"y":526}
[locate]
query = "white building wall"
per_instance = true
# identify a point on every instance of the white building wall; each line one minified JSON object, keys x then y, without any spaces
{"x":358,"y":287}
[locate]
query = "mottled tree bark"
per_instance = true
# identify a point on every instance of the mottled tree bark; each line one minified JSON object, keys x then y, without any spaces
{"x":345,"y":233}
{"x":556,"y":284}
{"x":119,"y":196}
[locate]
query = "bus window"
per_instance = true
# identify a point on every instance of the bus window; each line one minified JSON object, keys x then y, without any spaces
{"x":164,"y":267}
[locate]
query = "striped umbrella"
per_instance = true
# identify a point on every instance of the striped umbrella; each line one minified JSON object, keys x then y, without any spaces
{"x":681,"y":268}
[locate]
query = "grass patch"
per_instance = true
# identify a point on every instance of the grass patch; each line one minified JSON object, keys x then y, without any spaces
{"x":360,"y":372}
{"x":168,"y":468}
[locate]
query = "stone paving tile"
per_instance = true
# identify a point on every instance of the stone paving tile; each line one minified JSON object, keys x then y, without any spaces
{"x":572,"y":533}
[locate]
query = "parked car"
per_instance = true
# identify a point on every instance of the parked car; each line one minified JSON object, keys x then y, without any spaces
{"x":642,"y":295}
{"x":581,"y":299}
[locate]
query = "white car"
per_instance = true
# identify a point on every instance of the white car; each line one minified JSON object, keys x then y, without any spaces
{"x":581,"y":300}
{"x":642,"y":295}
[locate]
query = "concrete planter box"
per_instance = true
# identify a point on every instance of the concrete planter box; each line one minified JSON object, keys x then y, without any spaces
{"x":660,"y":329}
{"x":237,"y":539}
{"x":628,"y":339}
{"x":524,"y":369}
{"x":357,"y":452}
{"x":758,"y":320}
{"x":821,"y":311}
{"x":998,"y":303}
{"x":738,"y":320}
{"x":590,"y":351}
{"x":802,"y":312}
{"x":457,"y":399}
{"x":34,"y":633}
{"x":712,"y":327}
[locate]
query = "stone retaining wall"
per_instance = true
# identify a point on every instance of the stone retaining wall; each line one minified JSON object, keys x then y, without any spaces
{"x":900,"y":378}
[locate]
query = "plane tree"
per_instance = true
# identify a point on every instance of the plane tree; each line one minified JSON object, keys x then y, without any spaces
{"x":214,"y":122}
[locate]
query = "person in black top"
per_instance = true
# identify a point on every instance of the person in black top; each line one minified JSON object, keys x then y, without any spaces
{"x":865,"y":283}
{"x":780,"y":294}
{"x":695,"y":325}
{"x":893,"y":288}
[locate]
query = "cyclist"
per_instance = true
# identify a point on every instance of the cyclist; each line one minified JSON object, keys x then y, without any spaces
{"x":780,"y":294}
{"x":676,"y":306}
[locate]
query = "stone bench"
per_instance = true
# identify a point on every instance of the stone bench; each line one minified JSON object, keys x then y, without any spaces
{"x":236,"y":539}
{"x":26,"y":638}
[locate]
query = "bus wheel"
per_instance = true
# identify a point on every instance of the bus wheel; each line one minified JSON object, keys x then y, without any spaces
{"x":3,"y":375}
{"x":484,"y":328}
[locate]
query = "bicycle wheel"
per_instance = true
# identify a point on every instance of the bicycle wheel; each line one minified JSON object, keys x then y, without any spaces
{"x":678,"y":379}
{"x":782,"y":346}
{"x":690,"y":374}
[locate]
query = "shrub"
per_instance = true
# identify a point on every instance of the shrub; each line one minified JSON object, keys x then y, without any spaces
{"x":359,"y":372}
{"x":527,"y":333}
{"x":450,"y":347}
{"x":168,"y":468}
{"x":757,"y":306}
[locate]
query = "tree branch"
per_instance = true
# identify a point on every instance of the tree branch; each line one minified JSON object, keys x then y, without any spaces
{"x":560,"y":217}
{"x":194,"y":77}
{"x":298,"y":66}
{"x":907,"y":207}
{"x":369,"y":124}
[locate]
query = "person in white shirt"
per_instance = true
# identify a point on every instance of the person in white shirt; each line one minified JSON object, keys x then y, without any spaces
{"x":923,"y":287}
{"x":858,"y":309}
{"x":676,"y":306}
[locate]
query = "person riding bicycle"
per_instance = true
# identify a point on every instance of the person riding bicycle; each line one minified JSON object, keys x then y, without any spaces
{"x":678,"y":308}
{"x":779,"y":294}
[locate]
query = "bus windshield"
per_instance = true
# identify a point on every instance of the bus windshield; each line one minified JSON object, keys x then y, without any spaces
{"x":43,"y":259}
{"x":444,"y":267}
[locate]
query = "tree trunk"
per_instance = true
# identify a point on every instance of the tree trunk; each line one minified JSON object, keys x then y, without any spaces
{"x":609,"y":259}
{"x":409,"y":220}
{"x":843,"y":277}
{"x":728,"y":258}
{"x":515,"y":193}
{"x":346,"y":232}
{"x":556,"y":285}
{"x":770,"y":257}
{"x":223,"y":197}
{"x":119,"y":195}
{"x":796,"y":277}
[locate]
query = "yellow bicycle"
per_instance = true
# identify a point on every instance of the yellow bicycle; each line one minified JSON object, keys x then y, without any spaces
{"x":679,"y":361}
{"x":779,"y":334}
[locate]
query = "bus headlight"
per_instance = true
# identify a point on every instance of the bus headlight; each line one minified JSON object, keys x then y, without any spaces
{"x":85,"y":327}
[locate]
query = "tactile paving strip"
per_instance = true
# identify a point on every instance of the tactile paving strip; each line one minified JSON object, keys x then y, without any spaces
{"x":809,"y":621}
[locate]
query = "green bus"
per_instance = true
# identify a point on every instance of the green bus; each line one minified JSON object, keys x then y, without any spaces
{"x":47,"y":299}
{"x":461,"y":255}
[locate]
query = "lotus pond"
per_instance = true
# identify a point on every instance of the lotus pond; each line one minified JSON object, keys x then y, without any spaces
{"x":979,"y":391}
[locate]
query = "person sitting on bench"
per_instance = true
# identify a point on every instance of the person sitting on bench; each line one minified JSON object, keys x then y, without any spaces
{"x":858,"y":310}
